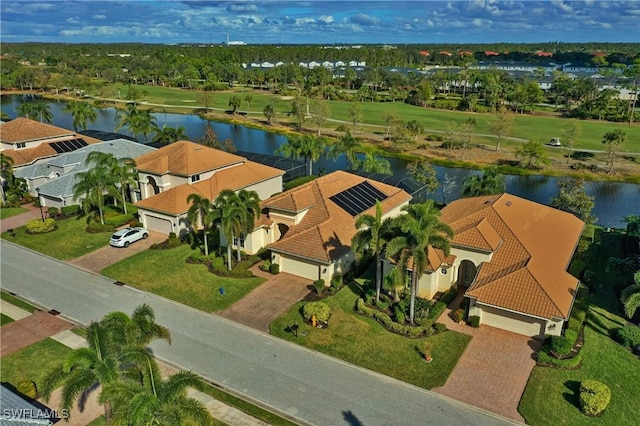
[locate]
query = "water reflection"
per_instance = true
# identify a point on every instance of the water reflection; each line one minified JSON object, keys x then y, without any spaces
{"x":613,"y":200}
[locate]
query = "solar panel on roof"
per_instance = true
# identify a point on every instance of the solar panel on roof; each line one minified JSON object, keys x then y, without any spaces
{"x":56,"y":147}
{"x":68,"y":146}
{"x":358,"y":198}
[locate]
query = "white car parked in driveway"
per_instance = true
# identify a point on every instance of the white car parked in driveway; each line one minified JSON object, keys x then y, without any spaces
{"x":126,"y":236}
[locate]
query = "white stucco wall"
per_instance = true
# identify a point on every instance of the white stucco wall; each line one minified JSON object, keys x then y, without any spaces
{"x":267,"y":188}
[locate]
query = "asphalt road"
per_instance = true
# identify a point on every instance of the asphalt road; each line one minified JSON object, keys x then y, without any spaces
{"x":308,"y":386}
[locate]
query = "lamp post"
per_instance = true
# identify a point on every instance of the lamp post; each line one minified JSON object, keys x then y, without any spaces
{"x":40,"y":204}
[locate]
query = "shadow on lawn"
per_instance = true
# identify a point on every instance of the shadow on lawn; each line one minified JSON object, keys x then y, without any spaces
{"x":572,"y":397}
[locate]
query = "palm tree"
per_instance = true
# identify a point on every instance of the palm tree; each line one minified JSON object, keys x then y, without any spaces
{"x":6,"y":174}
{"x":346,"y":145}
{"x":150,"y":400}
{"x":306,"y":147}
{"x":138,"y":121}
{"x":121,"y":173}
{"x":251,"y":202}
{"x":491,"y":182}
{"x":232,"y":218}
{"x":201,"y":211}
{"x":630,"y":297}
{"x":139,"y":329}
{"x":371,"y":164}
{"x":168,"y":135}
{"x":91,"y":187}
{"x":371,"y":238}
{"x":27,"y":110}
{"x":84,"y":369}
{"x":42,"y":110}
{"x":420,"y":230}
{"x":82,"y":112}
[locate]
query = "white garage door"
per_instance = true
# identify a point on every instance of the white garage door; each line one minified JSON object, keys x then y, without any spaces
{"x":299,"y":268}
{"x":511,"y":321}
{"x":158,"y":224}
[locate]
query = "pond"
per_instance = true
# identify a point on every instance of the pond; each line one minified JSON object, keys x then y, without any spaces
{"x":613,"y":200}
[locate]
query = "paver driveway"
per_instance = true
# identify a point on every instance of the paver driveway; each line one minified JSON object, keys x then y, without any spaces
{"x":494,"y":369}
{"x":99,"y":259}
{"x":268,"y":301}
{"x":29,"y":330}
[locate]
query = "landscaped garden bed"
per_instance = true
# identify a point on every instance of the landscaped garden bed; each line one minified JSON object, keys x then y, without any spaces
{"x":363,"y":341}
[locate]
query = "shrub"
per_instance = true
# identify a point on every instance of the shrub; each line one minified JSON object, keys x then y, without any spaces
{"x":265,"y":265}
{"x":197,"y":257}
{"x":436,"y":310}
{"x":425,"y":322}
{"x":448,"y":296}
{"x":398,"y":312}
{"x":38,"y":226}
{"x":439,"y":327}
{"x":337,"y":281}
{"x":370,"y":296}
{"x":274,"y":268}
{"x":97,"y":227}
{"x":318,"y":309}
{"x":362,"y":308}
{"x":297,"y":182}
{"x":458,"y":315}
{"x":560,"y":345}
{"x":318,"y":285}
{"x":27,"y":388}
{"x":119,"y":220}
{"x":594,"y":397}
{"x":382,"y":304}
{"x":571,"y":336}
{"x":53,"y":212}
{"x":474,"y":321}
{"x":629,"y":335}
{"x":545,"y":359}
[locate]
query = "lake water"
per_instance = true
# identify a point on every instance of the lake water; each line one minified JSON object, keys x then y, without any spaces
{"x":613,"y":200}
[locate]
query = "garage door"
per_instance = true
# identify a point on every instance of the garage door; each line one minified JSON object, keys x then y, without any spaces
{"x":299,"y":268}
{"x":158,"y":224}
{"x":511,"y":321}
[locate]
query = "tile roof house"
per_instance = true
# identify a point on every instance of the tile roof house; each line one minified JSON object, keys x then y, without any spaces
{"x":167,"y":176}
{"x":55,"y":177}
{"x":309,"y":228}
{"x":27,"y":141}
{"x":511,"y":256}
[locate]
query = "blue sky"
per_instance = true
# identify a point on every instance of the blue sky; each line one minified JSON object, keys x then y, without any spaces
{"x":316,"y":21}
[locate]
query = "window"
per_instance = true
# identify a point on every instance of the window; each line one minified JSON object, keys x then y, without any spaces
{"x":235,"y":241}
{"x":195,"y":178}
{"x":21,"y":145}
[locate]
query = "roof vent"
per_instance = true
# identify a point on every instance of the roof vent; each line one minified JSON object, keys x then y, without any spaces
{"x":508,"y":203}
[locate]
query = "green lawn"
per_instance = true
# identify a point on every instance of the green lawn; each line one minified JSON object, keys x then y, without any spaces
{"x":550,"y":397}
{"x":17,"y":302}
{"x":69,"y":241}
{"x":362,"y":341}
{"x":6,"y":212}
{"x":4,"y":319}
{"x":33,"y":362}
{"x":165,"y":272}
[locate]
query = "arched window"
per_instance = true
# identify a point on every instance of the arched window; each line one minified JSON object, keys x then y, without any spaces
{"x":466,"y":273}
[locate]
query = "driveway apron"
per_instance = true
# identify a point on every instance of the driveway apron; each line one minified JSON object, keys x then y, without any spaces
{"x":27,"y":331}
{"x":493,"y":371}
{"x":18,"y":220}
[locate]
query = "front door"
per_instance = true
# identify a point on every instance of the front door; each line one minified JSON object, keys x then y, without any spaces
{"x":467,"y":273}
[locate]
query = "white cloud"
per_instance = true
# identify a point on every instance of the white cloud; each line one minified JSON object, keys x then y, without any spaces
{"x":325,"y":19}
{"x":99,"y":17}
{"x":73,"y":21}
{"x":364,"y":19}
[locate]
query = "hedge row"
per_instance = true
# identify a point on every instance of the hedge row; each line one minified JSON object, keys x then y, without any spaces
{"x":629,"y":335}
{"x":119,"y":220}
{"x":547,"y":360}
{"x":405,"y":330}
{"x":70,"y":210}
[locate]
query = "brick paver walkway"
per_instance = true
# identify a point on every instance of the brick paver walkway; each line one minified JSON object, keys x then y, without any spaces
{"x":268,"y":301}
{"x":27,"y":331}
{"x":494,"y":368}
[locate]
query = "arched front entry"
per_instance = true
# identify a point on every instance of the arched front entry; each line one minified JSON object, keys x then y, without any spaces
{"x":467,"y":272}
{"x":152,"y":187}
{"x":282,"y":230}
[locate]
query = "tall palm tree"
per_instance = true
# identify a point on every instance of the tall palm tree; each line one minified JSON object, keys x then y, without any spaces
{"x":6,"y":174}
{"x":137,"y":120}
{"x":168,"y":135}
{"x":232,"y":216}
{"x":121,"y":173}
{"x":91,"y":187}
{"x":420,"y":230}
{"x":201,"y":211}
{"x":27,"y":110}
{"x":150,"y":400}
{"x":139,"y":329}
{"x":305,"y":147}
{"x":251,"y":202}
{"x":371,"y":238}
{"x":42,"y":110}
{"x":82,"y":112}
{"x":84,"y":369}
{"x":491,"y":182}
{"x":347,"y":145}
{"x":630,"y":297}
{"x":372,"y":164}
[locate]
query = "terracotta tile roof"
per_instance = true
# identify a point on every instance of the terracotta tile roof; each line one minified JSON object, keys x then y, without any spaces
{"x":532,"y":246}
{"x":324,"y":234}
{"x":24,"y":130}
{"x":184,"y":158}
{"x":174,"y":200}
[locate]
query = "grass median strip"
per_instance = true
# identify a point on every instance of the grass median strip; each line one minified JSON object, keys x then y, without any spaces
{"x":17,"y":302}
{"x":166,"y":273}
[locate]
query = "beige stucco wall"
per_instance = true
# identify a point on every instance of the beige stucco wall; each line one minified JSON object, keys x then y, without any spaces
{"x":179,"y":224}
{"x":267,"y":188}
